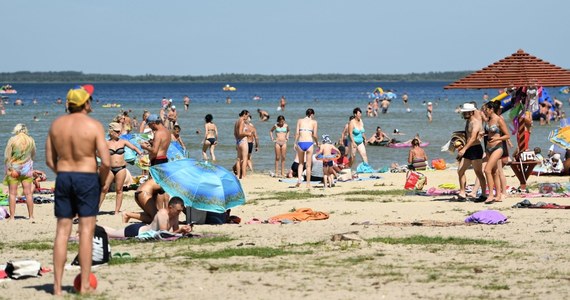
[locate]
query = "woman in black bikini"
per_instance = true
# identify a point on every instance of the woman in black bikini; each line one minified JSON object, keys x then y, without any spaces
{"x":118,"y":165}
{"x":210,"y":137}
{"x":496,"y":132}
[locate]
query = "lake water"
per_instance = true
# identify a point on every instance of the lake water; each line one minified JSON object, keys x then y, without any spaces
{"x":332,"y":102}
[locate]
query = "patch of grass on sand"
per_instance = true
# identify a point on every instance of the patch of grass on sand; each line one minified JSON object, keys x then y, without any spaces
{"x":182,"y":241}
{"x":438,"y":240}
{"x":376,"y":193}
{"x":289,"y":195}
{"x":263,"y":252}
{"x":115,"y":242}
{"x":496,"y":287}
{"x":201,"y":240}
{"x":124,"y":260}
{"x":357,"y":259}
{"x":34,"y":245}
{"x":369,"y":199}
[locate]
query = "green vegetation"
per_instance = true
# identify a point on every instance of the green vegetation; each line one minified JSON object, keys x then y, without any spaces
{"x":282,"y":196}
{"x":437,"y":240}
{"x":376,"y":193}
{"x":73,"y":76}
{"x":263,"y":252}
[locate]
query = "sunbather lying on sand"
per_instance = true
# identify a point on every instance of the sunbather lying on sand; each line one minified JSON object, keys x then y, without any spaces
{"x":165,"y":219}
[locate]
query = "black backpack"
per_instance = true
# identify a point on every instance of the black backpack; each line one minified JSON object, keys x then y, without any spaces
{"x":101,"y":248}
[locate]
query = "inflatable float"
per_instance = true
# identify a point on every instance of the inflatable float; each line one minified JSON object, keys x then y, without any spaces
{"x":229,"y":88}
{"x":7,"y":89}
{"x":111,"y":105}
{"x":406,"y":145}
{"x":564,"y":90}
{"x":507,"y":103}
{"x":382,"y":143}
{"x":334,"y":156}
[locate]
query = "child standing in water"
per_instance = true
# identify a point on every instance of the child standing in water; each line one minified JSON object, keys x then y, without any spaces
{"x":429,"y":111}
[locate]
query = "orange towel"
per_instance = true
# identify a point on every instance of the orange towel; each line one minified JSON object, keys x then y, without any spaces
{"x":301,"y":214}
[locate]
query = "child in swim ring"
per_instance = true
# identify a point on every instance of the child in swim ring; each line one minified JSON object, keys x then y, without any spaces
{"x":328,"y":153}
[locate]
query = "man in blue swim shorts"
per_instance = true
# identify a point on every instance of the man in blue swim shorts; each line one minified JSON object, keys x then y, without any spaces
{"x":71,"y":146}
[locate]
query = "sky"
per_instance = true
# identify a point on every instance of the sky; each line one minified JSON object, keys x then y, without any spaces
{"x":185,"y":37}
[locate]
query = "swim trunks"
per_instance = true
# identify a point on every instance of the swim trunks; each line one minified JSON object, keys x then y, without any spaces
{"x":474,"y":152}
{"x":159,"y":160}
{"x":249,"y":147}
{"x":133,"y":229}
{"x":76,"y":193}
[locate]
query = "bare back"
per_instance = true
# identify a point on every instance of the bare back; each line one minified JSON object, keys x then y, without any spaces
{"x":72,"y":143}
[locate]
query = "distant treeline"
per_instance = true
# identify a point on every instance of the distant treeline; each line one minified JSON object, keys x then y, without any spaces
{"x":73,"y":76}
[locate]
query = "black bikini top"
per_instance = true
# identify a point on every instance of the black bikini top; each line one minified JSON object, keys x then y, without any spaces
{"x":118,"y":151}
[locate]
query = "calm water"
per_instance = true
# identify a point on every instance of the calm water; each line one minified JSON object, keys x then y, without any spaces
{"x":332,"y":102}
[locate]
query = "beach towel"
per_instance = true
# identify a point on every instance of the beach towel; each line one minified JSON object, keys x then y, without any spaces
{"x":364,"y":168}
{"x":294,"y":180}
{"x":549,"y":195}
{"x":490,"y":217}
{"x":161,"y":235}
{"x":301,"y":214}
{"x":439,"y":192}
{"x":527,"y":204}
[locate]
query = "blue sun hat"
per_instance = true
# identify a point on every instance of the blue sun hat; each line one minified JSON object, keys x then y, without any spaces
{"x":326,"y":139}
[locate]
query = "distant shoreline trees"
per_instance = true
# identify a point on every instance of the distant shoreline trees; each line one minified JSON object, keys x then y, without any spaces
{"x":74,"y":76}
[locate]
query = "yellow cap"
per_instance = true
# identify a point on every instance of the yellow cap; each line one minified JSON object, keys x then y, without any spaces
{"x":79,"y":95}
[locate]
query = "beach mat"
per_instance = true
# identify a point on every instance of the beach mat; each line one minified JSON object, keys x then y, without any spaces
{"x":294,"y":180}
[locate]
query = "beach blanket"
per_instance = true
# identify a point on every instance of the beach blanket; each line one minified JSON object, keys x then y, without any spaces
{"x":301,"y":214}
{"x":439,"y":192}
{"x":293,"y":180}
{"x":364,"y":168}
{"x":161,"y":235}
{"x":527,"y":204}
{"x":490,"y":217}
{"x":547,"y":195}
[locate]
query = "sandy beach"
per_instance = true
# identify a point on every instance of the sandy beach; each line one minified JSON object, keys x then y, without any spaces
{"x":387,"y":245}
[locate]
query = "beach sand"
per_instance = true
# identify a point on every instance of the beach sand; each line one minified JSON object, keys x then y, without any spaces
{"x":383,"y":256}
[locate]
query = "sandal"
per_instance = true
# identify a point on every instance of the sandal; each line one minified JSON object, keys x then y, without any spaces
{"x":459,"y":198}
{"x":480,"y":199}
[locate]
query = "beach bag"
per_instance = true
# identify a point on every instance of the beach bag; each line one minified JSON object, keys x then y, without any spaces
{"x":415,"y":181}
{"x":101,"y":248}
{"x":22,"y":269}
{"x":438,"y":164}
